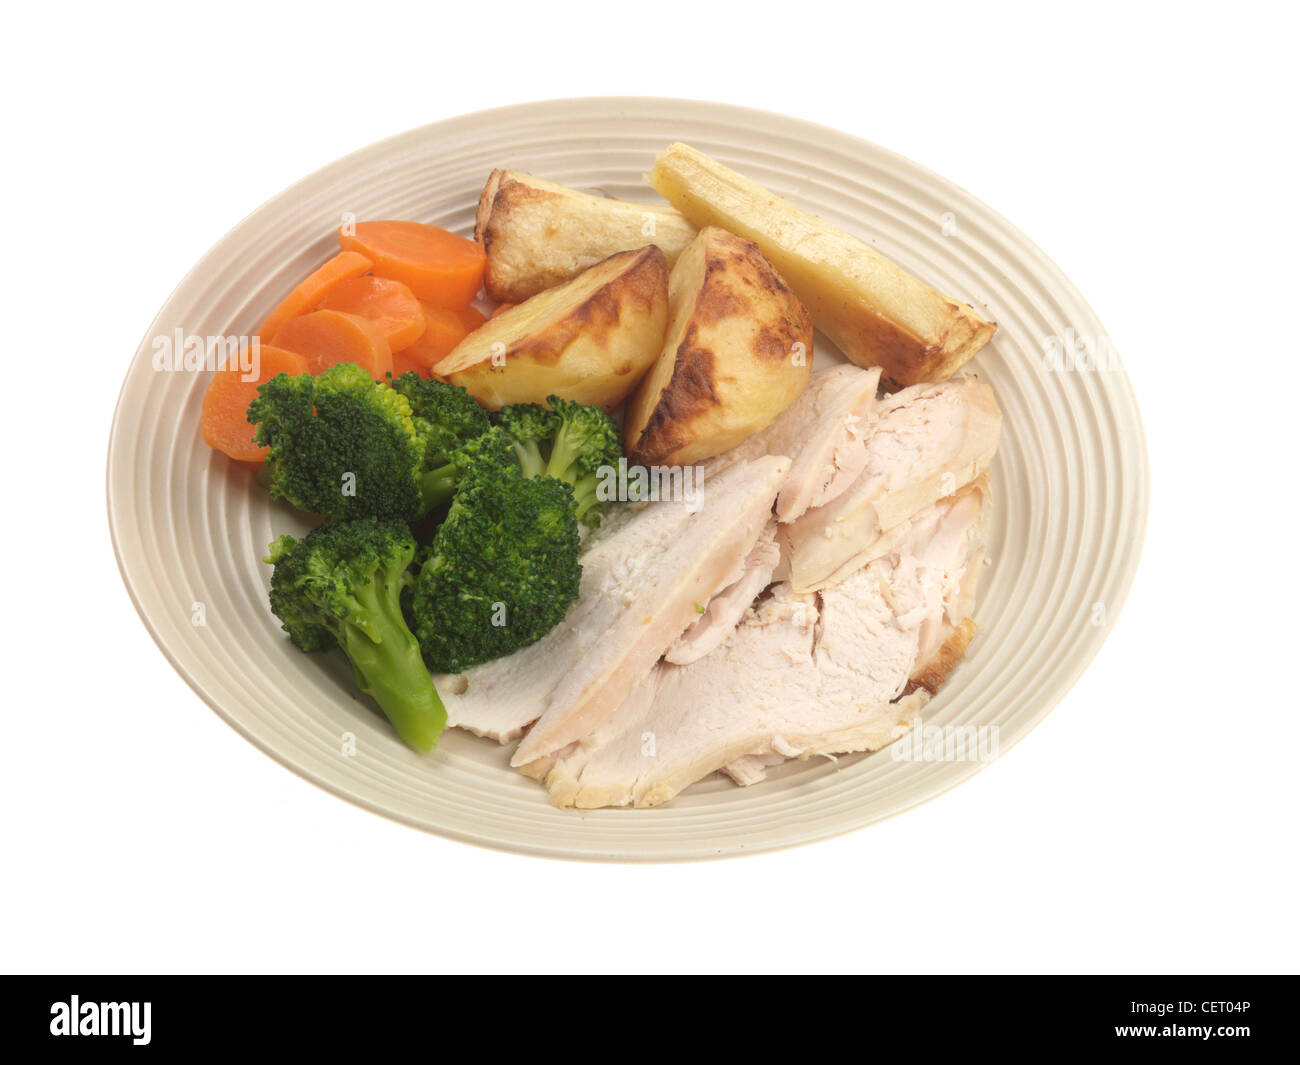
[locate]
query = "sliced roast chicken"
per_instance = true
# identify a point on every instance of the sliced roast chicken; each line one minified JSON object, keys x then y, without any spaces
{"x":925,"y":443}
{"x":803,"y":674}
{"x":725,"y":609}
{"x":809,"y":606}
{"x":883,"y":462}
{"x":662,"y":577}
{"x":822,"y":432}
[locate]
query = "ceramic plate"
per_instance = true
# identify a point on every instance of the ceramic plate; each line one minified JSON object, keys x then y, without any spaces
{"x":1070,"y":481}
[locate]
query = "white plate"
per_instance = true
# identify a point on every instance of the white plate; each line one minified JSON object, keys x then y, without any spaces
{"x":1070,"y":481}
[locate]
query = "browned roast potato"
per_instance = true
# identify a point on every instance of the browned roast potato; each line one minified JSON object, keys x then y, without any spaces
{"x":538,"y":234}
{"x":589,"y":340}
{"x":738,"y":351}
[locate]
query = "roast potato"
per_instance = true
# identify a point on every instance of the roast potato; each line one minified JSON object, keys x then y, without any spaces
{"x":870,"y":307}
{"x":737,"y":352}
{"x":590,"y":339}
{"x":538,"y":234}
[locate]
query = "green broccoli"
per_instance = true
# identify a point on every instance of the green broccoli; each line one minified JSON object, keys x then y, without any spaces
{"x":493,"y":446}
{"x":341,"y":444}
{"x":570,"y":442}
{"x":341,"y":586}
{"x":585,"y":441}
{"x":346,"y":446}
{"x":503,"y":566}
{"x":530,"y":426}
{"x":446,"y":416}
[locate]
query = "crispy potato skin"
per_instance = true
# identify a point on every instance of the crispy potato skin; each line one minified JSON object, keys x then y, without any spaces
{"x":731,"y":361}
{"x":538,"y":234}
{"x":589,"y":340}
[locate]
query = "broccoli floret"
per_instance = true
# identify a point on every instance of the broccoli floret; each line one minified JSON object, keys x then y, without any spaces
{"x":489,"y":448}
{"x":530,"y":427}
{"x":585,"y":440}
{"x":448,"y":419}
{"x":347,"y":446}
{"x":568,"y":441}
{"x":341,"y":444}
{"x":446,"y":416}
{"x":502,"y":568}
{"x":341,"y":586}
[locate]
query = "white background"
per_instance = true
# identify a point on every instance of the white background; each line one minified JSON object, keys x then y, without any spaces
{"x":1148,"y":825}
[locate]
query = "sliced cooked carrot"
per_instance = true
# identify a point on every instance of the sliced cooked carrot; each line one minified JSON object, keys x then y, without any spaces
{"x":224,"y":417}
{"x":439,"y":267}
{"x":387,"y":303}
{"x":326,"y":337}
{"x":316,"y":287}
{"x":472,"y":318}
{"x":443,"y":330}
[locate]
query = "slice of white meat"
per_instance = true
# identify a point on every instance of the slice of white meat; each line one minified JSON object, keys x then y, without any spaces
{"x":663,"y":569}
{"x":725,"y":609}
{"x":822,"y":431}
{"x":946,"y":633}
{"x":676,"y":729}
{"x":802,"y":675}
{"x":954,"y":562}
{"x":925,"y":443}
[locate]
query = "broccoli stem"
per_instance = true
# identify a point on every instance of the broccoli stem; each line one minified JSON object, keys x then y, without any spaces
{"x":529,"y":454}
{"x":438,"y":486}
{"x":564,"y":454}
{"x":563,"y":465}
{"x":388,"y":666}
{"x":584,"y":492}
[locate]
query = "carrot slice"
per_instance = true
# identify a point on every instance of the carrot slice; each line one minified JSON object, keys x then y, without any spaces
{"x":224,"y":416}
{"x":439,"y":267}
{"x":443,"y":330}
{"x":316,"y":287}
{"x":387,"y":303}
{"x":324,"y":338}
